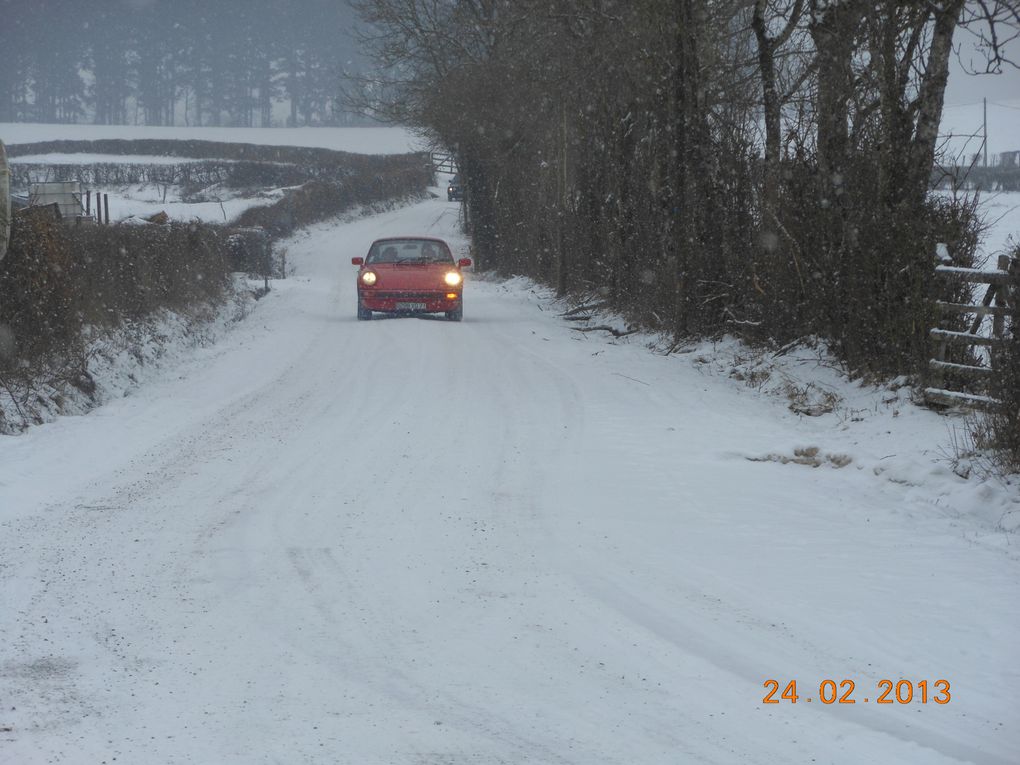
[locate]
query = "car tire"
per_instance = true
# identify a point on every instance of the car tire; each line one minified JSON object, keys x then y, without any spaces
{"x":457,"y":314}
{"x":364,"y":314}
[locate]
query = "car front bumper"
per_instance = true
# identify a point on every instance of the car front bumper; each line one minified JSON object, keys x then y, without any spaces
{"x":392,"y":301}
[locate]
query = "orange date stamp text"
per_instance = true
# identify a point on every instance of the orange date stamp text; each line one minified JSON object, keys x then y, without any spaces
{"x":847,"y":692}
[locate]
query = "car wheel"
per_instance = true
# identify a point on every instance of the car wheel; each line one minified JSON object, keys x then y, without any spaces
{"x":457,"y":314}
{"x":364,"y":314}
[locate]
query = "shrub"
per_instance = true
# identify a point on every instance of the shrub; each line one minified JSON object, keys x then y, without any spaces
{"x":56,"y":279}
{"x":37,"y":294}
{"x":859,"y":270}
{"x":1005,"y":422}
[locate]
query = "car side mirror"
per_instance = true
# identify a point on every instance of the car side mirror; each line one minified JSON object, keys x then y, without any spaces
{"x":357,"y":261}
{"x":464,"y":262}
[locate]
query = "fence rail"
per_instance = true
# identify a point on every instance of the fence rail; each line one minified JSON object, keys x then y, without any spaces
{"x":996,"y":304}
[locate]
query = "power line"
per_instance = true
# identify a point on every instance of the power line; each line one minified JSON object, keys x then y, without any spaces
{"x":978,"y":103}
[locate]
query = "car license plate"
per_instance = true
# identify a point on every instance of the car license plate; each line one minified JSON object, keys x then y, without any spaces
{"x":410,"y":306}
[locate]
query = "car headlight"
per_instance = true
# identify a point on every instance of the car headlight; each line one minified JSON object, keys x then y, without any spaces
{"x":369,"y":278}
{"x":453,"y":278}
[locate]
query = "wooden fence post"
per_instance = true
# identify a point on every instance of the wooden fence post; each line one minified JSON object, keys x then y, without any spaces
{"x":999,"y":319}
{"x":994,"y":304}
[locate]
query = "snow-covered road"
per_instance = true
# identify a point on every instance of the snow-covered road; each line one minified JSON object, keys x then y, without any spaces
{"x":500,"y":541}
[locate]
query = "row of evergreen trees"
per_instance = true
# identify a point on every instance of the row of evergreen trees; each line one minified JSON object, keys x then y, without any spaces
{"x":176,"y":62}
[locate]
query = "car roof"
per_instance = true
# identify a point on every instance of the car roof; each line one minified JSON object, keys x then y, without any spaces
{"x":416,"y":238}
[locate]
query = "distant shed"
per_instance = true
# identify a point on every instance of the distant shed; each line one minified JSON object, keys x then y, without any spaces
{"x":1009,"y":159}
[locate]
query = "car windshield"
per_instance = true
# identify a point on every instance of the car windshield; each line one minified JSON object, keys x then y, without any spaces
{"x":409,"y":251}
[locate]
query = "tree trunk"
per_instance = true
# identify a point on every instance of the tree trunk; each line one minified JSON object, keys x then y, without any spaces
{"x":771,"y":105}
{"x":689,"y":146}
{"x":931,"y":97}
{"x":833,"y":35}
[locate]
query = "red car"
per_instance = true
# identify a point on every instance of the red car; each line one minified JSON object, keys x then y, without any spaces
{"x":410,"y":275}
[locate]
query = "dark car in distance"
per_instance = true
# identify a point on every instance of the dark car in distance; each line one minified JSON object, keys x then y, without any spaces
{"x":454,"y":189}
{"x":410,"y":275}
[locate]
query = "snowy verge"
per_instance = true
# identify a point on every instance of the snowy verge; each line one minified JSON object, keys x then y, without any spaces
{"x":879,"y":430}
{"x":114,"y":361}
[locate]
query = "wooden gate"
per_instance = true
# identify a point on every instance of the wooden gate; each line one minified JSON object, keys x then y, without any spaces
{"x":996,"y":304}
{"x":443,"y":162}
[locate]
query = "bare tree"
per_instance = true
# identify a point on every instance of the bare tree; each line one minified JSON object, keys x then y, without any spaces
{"x":765,"y":15}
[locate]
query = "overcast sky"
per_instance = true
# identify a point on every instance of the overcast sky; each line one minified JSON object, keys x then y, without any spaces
{"x":964,"y":88}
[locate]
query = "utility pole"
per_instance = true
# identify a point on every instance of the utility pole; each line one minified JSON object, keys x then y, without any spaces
{"x":5,"y":202}
{"x":984,"y":120}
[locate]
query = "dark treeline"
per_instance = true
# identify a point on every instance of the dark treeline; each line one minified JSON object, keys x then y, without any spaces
{"x":176,"y":62}
{"x":705,"y":166}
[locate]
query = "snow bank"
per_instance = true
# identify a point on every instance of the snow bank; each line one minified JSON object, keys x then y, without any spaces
{"x":122,"y":359}
{"x":881,"y":431}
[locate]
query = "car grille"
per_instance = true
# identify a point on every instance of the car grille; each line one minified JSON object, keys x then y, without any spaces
{"x":386,"y":295}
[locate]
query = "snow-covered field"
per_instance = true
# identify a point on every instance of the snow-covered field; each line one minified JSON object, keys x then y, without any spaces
{"x":1000,"y":212}
{"x":962,"y":134}
{"x":95,"y":159}
{"x":501,"y":541}
{"x":141,"y":201}
{"x":961,"y":126}
{"x":961,"y":131}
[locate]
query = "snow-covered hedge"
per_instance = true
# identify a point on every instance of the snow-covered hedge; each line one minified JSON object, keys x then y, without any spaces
{"x":187,"y":174}
{"x":317,"y":200}
{"x":237,"y":164}
{"x":57,"y":278}
{"x":57,"y":282}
